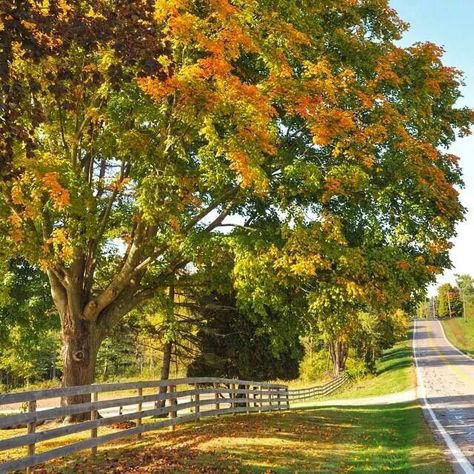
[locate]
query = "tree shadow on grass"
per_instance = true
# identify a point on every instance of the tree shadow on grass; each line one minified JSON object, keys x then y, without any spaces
{"x":396,"y":354}
{"x":307,"y":440}
{"x":395,"y":359}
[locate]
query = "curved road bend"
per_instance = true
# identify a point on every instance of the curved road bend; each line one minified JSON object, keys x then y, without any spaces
{"x":446,"y":380}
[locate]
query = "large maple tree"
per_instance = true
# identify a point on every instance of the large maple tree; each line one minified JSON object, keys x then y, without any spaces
{"x":132,"y":130}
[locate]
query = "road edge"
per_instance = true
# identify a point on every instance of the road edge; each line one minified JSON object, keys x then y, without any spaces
{"x":454,"y":449}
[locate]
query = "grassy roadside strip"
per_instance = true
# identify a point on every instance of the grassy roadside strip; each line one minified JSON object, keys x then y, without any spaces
{"x":460,"y":333}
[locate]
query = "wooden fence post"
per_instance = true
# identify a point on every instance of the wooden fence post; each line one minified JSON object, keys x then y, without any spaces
{"x":94,"y":416}
{"x":140,"y":406}
{"x":31,"y":428}
{"x":261,"y":400}
{"x":197,"y":398}
{"x":216,"y":397}
{"x":234,"y":396}
{"x":278,"y":398}
{"x":247,"y":397}
{"x":173,"y":402}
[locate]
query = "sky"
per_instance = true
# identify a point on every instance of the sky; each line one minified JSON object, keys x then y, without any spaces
{"x":450,"y":23}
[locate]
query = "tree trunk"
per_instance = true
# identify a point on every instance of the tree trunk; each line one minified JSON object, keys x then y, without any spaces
{"x":167,"y":351}
{"x":338,"y":351}
{"x":80,"y":346}
{"x":87,"y":320}
{"x":165,"y":368}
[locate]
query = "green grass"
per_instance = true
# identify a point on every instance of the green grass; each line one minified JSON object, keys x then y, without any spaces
{"x":325,"y":440}
{"x":395,"y":373}
{"x":460,"y":332}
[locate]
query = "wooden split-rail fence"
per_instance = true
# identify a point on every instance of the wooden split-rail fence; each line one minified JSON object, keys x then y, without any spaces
{"x":159,"y":401}
{"x":309,"y":393}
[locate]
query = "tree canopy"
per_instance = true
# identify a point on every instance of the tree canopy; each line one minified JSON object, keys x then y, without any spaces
{"x":134,"y":133}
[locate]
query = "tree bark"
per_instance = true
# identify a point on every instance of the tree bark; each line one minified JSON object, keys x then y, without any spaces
{"x":86,"y":319}
{"x":167,"y":351}
{"x":80,"y":346}
{"x":165,"y":370}
{"x":338,"y":351}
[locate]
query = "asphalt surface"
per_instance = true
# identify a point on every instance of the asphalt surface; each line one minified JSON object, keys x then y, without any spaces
{"x":446,"y":384}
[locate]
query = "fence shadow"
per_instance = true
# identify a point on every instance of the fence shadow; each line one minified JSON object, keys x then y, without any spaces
{"x":323,"y":439}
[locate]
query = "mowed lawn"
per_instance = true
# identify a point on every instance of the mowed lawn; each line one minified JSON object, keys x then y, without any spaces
{"x":323,"y":440}
{"x":460,"y":332}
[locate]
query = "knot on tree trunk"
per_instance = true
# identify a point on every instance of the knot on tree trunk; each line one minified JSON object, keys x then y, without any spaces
{"x":79,"y":356}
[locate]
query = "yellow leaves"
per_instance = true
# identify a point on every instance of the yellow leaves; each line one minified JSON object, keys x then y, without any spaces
{"x":223,"y":8}
{"x":320,"y":79}
{"x":354,"y":290}
{"x":402,"y":265}
{"x":43,"y":6}
{"x":165,"y":61}
{"x":332,"y":228}
{"x":16,"y":223}
{"x":94,"y":114}
{"x":59,"y":195}
{"x":57,"y":248}
{"x":107,"y":59}
{"x":118,"y":185}
{"x":155,"y":88}
{"x":240,"y":162}
{"x":319,"y":69}
{"x":215,"y":66}
{"x":25,"y":200}
{"x":17,"y":195}
{"x":92,"y":14}
{"x":165,"y":8}
{"x":308,"y":266}
{"x":182,"y":25}
{"x":64,"y":8}
{"x":59,"y":236}
{"x":331,"y":123}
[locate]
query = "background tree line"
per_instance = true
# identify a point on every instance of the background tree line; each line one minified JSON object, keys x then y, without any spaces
{"x":450,"y":301}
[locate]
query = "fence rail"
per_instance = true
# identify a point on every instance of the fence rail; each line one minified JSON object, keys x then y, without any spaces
{"x":303,"y":394}
{"x":195,"y":399}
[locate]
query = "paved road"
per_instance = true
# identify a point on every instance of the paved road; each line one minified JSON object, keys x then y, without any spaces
{"x":446,"y":383}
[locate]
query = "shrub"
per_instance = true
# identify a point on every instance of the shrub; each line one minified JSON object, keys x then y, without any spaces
{"x":314,"y":365}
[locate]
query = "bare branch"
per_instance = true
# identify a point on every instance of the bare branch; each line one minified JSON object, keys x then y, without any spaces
{"x":238,"y":226}
{"x":210,"y":208}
